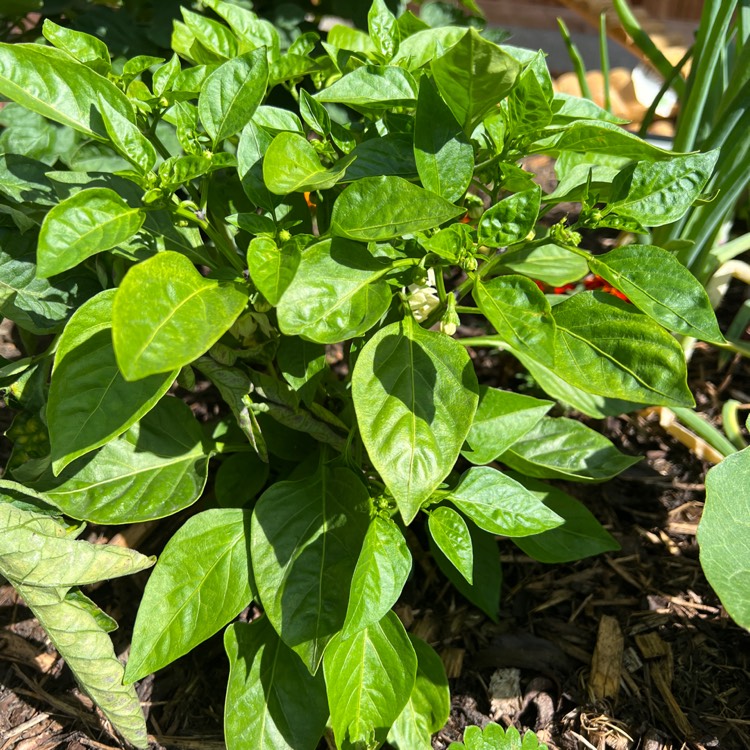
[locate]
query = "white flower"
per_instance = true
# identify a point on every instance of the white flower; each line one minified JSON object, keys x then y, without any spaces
{"x":423,"y":298}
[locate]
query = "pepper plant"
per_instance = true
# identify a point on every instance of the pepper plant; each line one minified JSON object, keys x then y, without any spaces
{"x":303,"y":231}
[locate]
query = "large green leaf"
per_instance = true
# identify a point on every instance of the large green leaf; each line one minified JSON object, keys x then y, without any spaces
{"x":200,"y":583}
{"x":421,"y":47}
{"x":158,"y":467}
{"x":605,"y":347}
{"x":580,"y":535}
{"x":429,"y":704}
{"x":382,"y":569}
{"x":380,"y":208}
{"x":79,"y":631}
{"x":83,"y":225}
{"x":273,"y":702}
{"x":502,"y":418}
{"x":511,"y":219}
{"x":166,"y":314}
{"x":415,"y":394}
{"x":338,"y":292}
{"x":451,"y":534}
{"x":551,"y":264}
{"x":232,"y":93}
{"x":657,"y":283}
{"x":561,"y":448}
{"x":306,"y":538}
{"x":89,"y":401}
{"x":369,"y":678}
{"x":443,"y":154}
{"x":724,"y":534}
{"x":372,"y":87}
{"x":473,"y":76}
{"x":50,"y":83}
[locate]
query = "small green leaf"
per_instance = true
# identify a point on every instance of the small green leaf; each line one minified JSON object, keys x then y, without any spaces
{"x":380,"y":208}
{"x":273,"y":702}
{"x":232,"y":93}
{"x":201,"y":582}
{"x":382,"y":569}
{"x":369,"y":678}
{"x":85,"y":48}
{"x":314,"y":114}
{"x":383,"y":29}
{"x":421,"y":47}
{"x":511,"y":219}
{"x":451,"y":534}
{"x":165,"y":315}
{"x":83,"y":225}
{"x":551,"y":264}
{"x":271,"y":267}
{"x":127,"y":138}
{"x":215,"y":37}
{"x":415,"y":394}
{"x":372,"y":87}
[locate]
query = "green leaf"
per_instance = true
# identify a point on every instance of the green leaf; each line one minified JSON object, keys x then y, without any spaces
{"x":273,"y":702}
{"x":604,"y":347}
{"x":369,"y":678}
{"x":451,"y":534}
{"x":473,"y":76}
{"x":500,"y":505}
{"x":421,"y":47}
{"x":251,"y":30}
{"x":579,"y":536}
{"x":292,"y":165}
{"x":383,"y":29}
{"x":568,"y":108}
{"x":253,"y":144}
{"x":271,"y":267}
{"x":306,"y":537}
{"x":561,"y":448}
{"x":443,"y":153}
{"x":529,"y":107}
{"x":511,"y":219}
{"x":428,"y":707}
{"x":551,"y":264}
{"x":85,"y":48}
{"x":382,"y":569}
{"x":179,"y":170}
{"x":661,"y":192}
{"x":215,"y":37}
{"x":232,"y":93}
{"x":83,"y":225}
{"x":494,"y":737}
{"x":372,"y":87}
{"x":338,"y":292}
{"x":380,"y":208}
{"x":127,"y":138}
{"x":89,"y":400}
{"x":502,"y":418}
{"x":658,"y":284}
{"x":724,"y":534}
{"x":300,"y":362}
{"x":277,"y":120}
{"x":201,"y":582}
{"x":521,"y":315}
{"x":415,"y":394}
{"x":157,"y":468}
{"x":165,"y":315}
{"x":75,"y":626}
{"x":391,"y":154}
{"x":48,"y":82}
{"x":165,"y":77}
{"x":239,"y":479}
{"x":31,"y":553}
{"x":314,"y":114}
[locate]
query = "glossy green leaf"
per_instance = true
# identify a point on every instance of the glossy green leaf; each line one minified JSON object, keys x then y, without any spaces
{"x":428,"y":707}
{"x":502,"y":418}
{"x":214,"y":36}
{"x":338,"y":292}
{"x":451,"y":534}
{"x":444,"y":155}
{"x":382,"y":569}
{"x":661,"y":192}
{"x":127,"y":138}
{"x":273,"y":702}
{"x":200,"y":583}
{"x":277,"y":120}
{"x":165,"y":315}
{"x":551,"y":264}
{"x":658,"y":284}
{"x":85,"y":48}
{"x":500,"y":505}
{"x":165,"y":77}
{"x":180,"y":170}
{"x":300,"y":361}
{"x":383,"y":28}
{"x":271,"y":267}
{"x":250,"y":30}
{"x":561,"y":448}
{"x":83,"y":225}
{"x":605,"y":347}
{"x":343,"y":37}
{"x":314,"y":114}
{"x":89,"y":401}
{"x":579,"y":536}
{"x":529,"y":104}
{"x":568,"y":108}
{"x":31,"y":553}
{"x":48,"y":82}
{"x":253,"y":144}
{"x":292,"y":165}
{"x":372,"y":87}
{"x":391,"y":154}
{"x":724,"y":534}
{"x":511,"y":219}
{"x":473,"y":76}
{"x":415,"y":394}
{"x":158,"y":467}
{"x":420,"y":48}
{"x":306,"y":538}
{"x":232,"y":93}
{"x":494,"y":737}
{"x":76,"y":628}
{"x":380,"y":208}
{"x":369,"y":678}
{"x":520,"y":313}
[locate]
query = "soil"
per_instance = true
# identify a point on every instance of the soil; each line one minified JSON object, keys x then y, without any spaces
{"x":630,"y":649}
